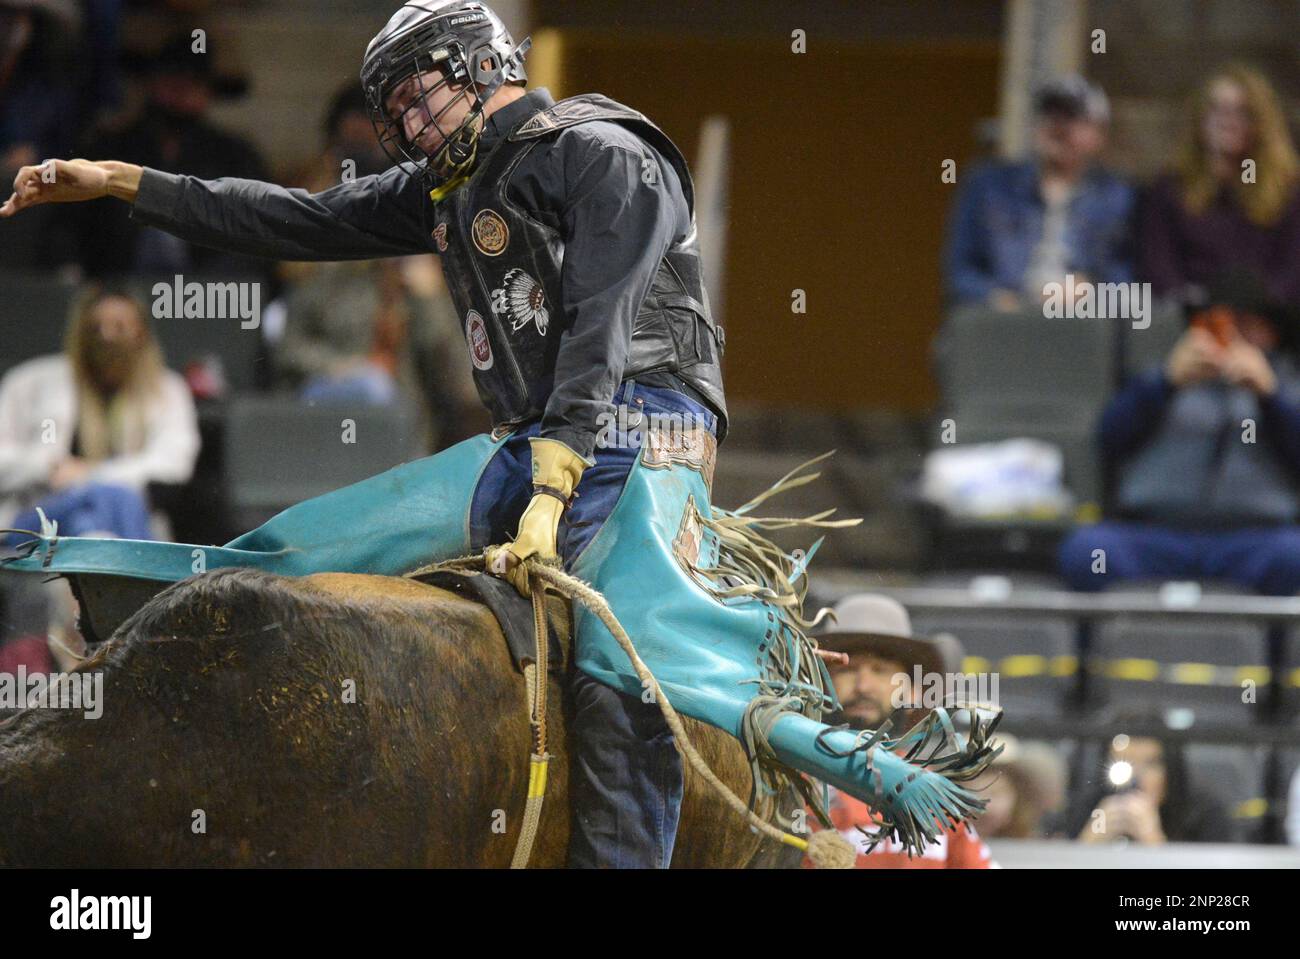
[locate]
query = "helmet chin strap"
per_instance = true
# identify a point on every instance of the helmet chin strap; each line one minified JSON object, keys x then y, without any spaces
{"x":458,"y":154}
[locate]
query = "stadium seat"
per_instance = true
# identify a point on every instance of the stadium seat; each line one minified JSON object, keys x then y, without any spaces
{"x":989,"y":579}
{"x":1143,"y":349}
{"x":1235,"y":776}
{"x":24,"y":606}
{"x":809,"y":431}
{"x":239,"y":351}
{"x":1035,"y":657}
{"x":1007,"y":375}
{"x":34,"y":311}
{"x":870,"y":488}
{"x":985,"y":355}
{"x":1177,"y":662}
{"x":1288,"y":763}
{"x":278,"y":451}
{"x":871,"y":430}
{"x":1288,"y":682}
{"x":875,"y":487}
{"x":794,"y":429}
{"x":741,"y":475}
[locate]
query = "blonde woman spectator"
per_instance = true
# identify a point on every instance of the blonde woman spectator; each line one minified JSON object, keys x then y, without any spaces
{"x":83,"y":433}
{"x":1231,"y":205}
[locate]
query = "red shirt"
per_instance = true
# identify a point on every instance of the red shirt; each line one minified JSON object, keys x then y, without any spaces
{"x":957,"y":848}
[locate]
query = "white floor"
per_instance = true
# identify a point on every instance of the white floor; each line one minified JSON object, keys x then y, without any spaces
{"x":1031,"y":854}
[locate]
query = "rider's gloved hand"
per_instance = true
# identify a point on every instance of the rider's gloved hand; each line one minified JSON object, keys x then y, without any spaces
{"x":556,"y":471}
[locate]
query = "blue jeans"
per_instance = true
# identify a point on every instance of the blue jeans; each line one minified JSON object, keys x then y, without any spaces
{"x":367,"y":386}
{"x":90,"y":509}
{"x":625,"y":774}
{"x":1263,"y":559}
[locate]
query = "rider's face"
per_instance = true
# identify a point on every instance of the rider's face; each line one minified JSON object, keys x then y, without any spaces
{"x":417,"y":100}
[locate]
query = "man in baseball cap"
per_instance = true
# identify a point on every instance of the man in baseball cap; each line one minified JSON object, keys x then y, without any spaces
{"x":1024,"y":224}
{"x":1072,"y":97}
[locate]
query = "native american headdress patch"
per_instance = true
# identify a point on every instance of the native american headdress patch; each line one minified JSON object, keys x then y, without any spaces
{"x":521,"y":300}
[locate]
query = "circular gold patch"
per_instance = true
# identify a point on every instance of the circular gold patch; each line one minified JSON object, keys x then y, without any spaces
{"x":490,"y":232}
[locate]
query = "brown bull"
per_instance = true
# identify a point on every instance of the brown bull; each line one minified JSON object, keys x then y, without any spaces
{"x":334,"y":720}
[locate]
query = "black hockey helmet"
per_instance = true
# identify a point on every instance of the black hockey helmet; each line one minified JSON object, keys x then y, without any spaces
{"x":465,"y":42}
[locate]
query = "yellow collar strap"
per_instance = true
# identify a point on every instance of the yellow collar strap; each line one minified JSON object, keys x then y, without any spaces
{"x":438,"y":194}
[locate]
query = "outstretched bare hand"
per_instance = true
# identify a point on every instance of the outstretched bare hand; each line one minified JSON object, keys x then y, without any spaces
{"x":70,"y":181}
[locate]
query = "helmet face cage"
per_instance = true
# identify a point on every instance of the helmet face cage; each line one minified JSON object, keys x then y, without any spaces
{"x":456,"y":144}
{"x":436,"y":55}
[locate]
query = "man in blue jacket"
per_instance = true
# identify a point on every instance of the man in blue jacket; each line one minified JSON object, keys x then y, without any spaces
{"x":1018,"y":226}
{"x":1204,"y":453}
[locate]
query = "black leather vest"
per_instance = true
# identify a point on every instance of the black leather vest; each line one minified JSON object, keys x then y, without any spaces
{"x":502,"y":268}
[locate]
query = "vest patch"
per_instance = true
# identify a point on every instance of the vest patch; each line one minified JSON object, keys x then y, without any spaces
{"x":490,"y":233}
{"x":521,"y":300}
{"x":476,"y":335}
{"x":440,"y":237}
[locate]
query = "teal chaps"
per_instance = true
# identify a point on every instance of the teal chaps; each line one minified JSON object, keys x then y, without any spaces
{"x":707,"y":653}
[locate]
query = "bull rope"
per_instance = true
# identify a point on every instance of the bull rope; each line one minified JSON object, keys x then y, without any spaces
{"x":536,"y":678}
{"x":826,"y":849}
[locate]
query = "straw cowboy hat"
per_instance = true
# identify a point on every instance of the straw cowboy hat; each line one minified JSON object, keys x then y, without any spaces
{"x":870,"y":623}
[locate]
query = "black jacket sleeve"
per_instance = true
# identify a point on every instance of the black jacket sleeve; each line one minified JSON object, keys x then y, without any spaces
{"x":375,"y":216}
{"x":623,"y":206}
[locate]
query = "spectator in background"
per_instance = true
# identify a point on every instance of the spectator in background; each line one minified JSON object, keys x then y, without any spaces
{"x":39,"y":74}
{"x":1204,"y":455}
{"x":1018,"y":226}
{"x":873,"y":652}
{"x":1143,"y":793}
{"x":351,"y":147}
{"x":172,"y":132}
{"x":1210,"y":216}
{"x":345,"y":325}
{"x":374,"y":331}
{"x":41,"y":65}
{"x":83,"y":433}
{"x":346,"y":332}
{"x":1024,"y":788}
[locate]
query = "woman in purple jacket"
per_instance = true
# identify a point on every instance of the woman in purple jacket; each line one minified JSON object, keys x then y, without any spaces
{"x":1231,"y":203}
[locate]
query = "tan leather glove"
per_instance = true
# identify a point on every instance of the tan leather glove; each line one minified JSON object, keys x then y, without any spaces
{"x":555,"y":468}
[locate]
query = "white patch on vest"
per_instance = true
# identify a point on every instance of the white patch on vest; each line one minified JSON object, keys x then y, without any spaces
{"x":521,"y":300}
{"x":476,"y":335}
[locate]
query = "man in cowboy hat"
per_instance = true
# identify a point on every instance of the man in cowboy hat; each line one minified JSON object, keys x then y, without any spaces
{"x":874,"y":660}
{"x":878,"y":659}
